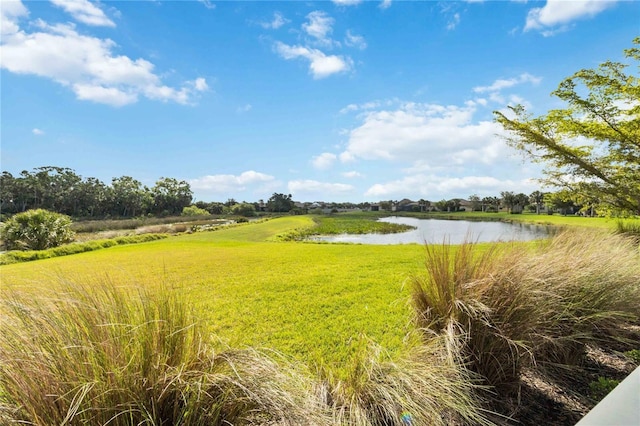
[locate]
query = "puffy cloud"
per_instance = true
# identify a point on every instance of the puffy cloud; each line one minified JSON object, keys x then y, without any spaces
{"x":230,"y":183}
{"x":85,"y":64}
{"x":277,"y":21}
{"x":324,"y":160}
{"x":501,"y":84}
{"x":385,"y":4}
{"x":561,"y":12}
{"x":304,"y":188}
{"x":320,"y":65}
{"x":85,"y":12}
{"x":10,"y":13}
{"x":37,"y":132}
{"x":353,"y":40}
{"x":445,"y":135}
{"x":244,"y":108}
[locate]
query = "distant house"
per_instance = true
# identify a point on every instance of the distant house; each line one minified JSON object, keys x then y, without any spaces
{"x":465,"y":206}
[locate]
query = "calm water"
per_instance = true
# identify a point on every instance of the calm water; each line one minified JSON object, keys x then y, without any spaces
{"x":436,"y":231}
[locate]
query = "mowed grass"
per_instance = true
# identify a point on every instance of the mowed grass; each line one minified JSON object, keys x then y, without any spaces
{"x":315,"y":302}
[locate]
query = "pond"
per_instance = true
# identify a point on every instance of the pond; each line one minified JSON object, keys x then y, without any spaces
{"x":436,"y":231}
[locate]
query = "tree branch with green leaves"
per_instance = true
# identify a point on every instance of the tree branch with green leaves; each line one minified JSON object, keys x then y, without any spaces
{"x":591,"y":148}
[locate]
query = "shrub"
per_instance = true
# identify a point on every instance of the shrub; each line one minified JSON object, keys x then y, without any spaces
{"x":243,"y":209}
{"x":633,"y":355}
{"x":194,"y":211}
{"x":601,"y":388}
{"x":37,"y":230}
{"x":102,"y":354}
{"x":25,"y":256}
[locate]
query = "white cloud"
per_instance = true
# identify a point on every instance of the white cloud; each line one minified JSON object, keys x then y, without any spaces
{"x":434,"y":187}
{"x":207,"y":4}
{"x":445,"y":135}
{"x":85,"y":12}
{"x":200,"y":84}
{"x":244,"y":108}
{"x":352,"y":174}
{"x":454,"y":21}
{"x":277,"y":21}
{"x":324,"y":160}
{"x":37,"y":132}
{"x":320,"y":65}
{"x":10,"y":13}
{"x":85,"y":64}
{"x":305,"y":188}
{"x":360,"y":107}
{"x":319,"y":27}
{"x":231,"y":183}
{"x":353,"y":40}
{"x":501,"y":84}
{"x":385,"y":4}
{"x":562,"y":12}
{"x":104,"y":95}
{"x":347,"y":2}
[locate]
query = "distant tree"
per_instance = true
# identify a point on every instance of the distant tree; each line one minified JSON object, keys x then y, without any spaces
{"x":508,"y":200}
{"x":536,"y":198}
{"x":93,"y":198}
{"x":280,"y":203}
{"x":213,"y":207}
{"x":170,"y":196}
{"x":128,"y":197}
{"x":36,"y":230}
{"x":560,"y":201}
{"x":591,"y":148}
{"x":8,"y":193}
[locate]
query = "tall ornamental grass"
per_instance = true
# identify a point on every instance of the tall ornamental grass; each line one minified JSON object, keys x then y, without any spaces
{"x":423,"y":387}
{"x":505,"y":306}
{"x":103,"y":355}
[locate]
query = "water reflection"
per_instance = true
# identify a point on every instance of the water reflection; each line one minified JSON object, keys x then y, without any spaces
{"x":436,"y":231}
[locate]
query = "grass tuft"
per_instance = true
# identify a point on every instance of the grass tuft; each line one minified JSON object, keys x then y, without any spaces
{"x":107,"y":355}
{"x":514,"y":305}
{"x":422,"y":387}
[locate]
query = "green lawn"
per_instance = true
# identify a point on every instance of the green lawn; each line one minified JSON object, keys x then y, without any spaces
{"x":312,"y":301}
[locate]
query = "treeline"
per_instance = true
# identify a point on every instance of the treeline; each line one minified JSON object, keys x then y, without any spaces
{"x":62,"y":190}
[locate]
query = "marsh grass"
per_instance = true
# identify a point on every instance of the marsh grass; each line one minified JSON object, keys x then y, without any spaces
{"x":107,"y":355}
{"x":515,"y":305}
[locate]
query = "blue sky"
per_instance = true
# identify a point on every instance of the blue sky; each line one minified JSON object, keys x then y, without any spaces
{"x":334,"y":101}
